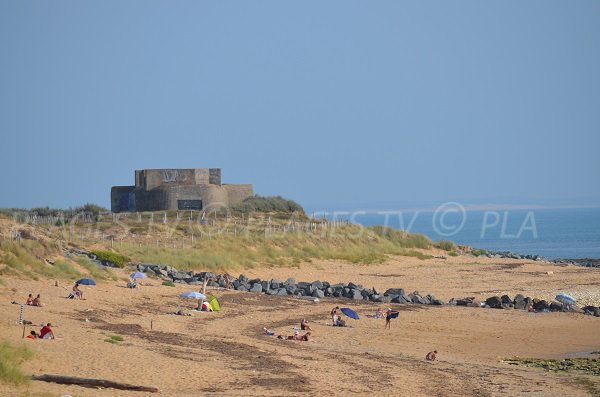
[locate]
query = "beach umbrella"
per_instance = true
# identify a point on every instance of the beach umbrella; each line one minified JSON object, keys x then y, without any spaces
{"x":350,"y":313}
{"x":138,"y":275}
{"x":86,"y":281}
{"x":192,"y":295}
{"x":566,"y":299}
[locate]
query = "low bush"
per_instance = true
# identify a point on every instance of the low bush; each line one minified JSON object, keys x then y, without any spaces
{"x":447,"y":245}
{"x":268,"y":204}
{"x":119,"y":260}
{"x":453,"y":253}
{"x":168,"y":283}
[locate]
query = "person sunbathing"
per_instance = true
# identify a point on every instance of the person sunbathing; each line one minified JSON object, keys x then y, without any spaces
{"x":334,"y":315}
{"x":77,"y":291}
{"x":431,"y":356}
{"x":304,"y":325}
{"x":378,"y":314}
{"x":181,"y":312}
{"x":268,"y":332}
{"x":296,"y":336}
{"x":29,"y":300}
{"x":46,"y":332}
{"x":32,"y":335}
{"x":37,"y":301}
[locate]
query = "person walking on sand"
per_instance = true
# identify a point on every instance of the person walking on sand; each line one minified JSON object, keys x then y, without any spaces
{"x":389,"y":315}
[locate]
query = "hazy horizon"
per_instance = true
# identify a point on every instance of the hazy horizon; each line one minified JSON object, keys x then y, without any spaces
{"x":341,"y":105}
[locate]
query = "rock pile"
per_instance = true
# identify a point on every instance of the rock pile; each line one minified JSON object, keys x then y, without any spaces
{"x":321,"y":289}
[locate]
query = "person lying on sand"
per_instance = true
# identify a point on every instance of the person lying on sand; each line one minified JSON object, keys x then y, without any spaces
{"x":181,"y":312}
{"x":431,"y":356}
{"x":37,"y":301}
{"x":32,"y":335}
{"x":378,"y":314}
{"x":304,"y":325}
{"x":296,"y":336}
{"x":268,"y":332}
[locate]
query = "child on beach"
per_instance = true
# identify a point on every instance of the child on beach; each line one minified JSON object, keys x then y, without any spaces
{"x":431,"y":356}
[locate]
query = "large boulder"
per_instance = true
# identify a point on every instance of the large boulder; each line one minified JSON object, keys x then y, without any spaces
{"x":275,"y":284}
{"x":519,"y":298}
{"x":282,"y":292}
{"x":556,"y":306}
{"x":291,"y":289}
{"x":540,"y":305}
{"x":520,"y":304}
{"x":495,"y":302}
{"x":265,"y":285}
{"x":317,"y":293}
{"x":398,"y":299}
{"x":506,"y":300}
{"x":317,"y":284}
{"x":416,"y":297}
{"x":357,"y":294}
{"x":394,"y":291}
{"x":256,"y":287}
{"x":592,"y":311}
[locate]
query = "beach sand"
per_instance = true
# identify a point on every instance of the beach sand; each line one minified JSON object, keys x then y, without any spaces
{"x":226,"y":353}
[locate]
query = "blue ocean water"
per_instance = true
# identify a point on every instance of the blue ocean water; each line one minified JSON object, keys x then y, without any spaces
{"x":552,"y":233}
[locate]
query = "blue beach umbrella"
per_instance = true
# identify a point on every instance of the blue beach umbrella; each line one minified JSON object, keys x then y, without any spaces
{"x":86,"y":281}
{"x":192,"y":295}
{"x":566,"y":299}
{"x":350,"y":313}
{"x":138,"y":275}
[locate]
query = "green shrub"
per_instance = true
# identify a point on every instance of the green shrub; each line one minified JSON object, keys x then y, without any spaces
{"x":478,"y":252}
{"x":114,"y":257}
{"x":268,"y":204}
{"x":447,"y":245}
{"x":11,"y":358}
{"x":453,"y":253}
{"x":168,"y":283}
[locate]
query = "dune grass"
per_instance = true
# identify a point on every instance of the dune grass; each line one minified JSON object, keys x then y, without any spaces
{"x":352,"y":244}
{"x":11,"y":357}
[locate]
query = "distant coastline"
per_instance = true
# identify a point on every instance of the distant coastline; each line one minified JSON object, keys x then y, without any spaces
{"x":553,"y":233}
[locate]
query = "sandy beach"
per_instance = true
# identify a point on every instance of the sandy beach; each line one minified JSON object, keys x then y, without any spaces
{"x":226,"y":353}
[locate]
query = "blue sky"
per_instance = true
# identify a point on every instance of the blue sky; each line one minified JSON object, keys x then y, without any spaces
{"x":347,"y":104}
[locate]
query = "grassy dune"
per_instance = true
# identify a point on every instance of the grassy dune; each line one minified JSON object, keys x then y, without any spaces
{"x":221,"y":243}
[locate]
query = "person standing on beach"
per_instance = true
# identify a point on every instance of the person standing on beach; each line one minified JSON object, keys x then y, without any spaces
{"x":389,"y":315}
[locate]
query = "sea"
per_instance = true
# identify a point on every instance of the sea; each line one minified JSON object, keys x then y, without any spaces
{"x":571,"y":233}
